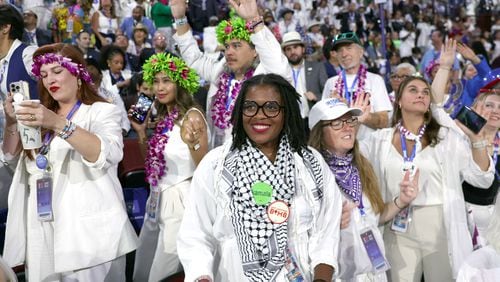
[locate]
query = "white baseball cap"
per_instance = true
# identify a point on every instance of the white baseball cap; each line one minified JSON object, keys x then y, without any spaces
{"x":330,"y":109}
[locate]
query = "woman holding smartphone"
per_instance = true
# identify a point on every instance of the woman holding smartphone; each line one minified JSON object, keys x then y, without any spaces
{"x":177,"y":146}
{"x":435,"y":239}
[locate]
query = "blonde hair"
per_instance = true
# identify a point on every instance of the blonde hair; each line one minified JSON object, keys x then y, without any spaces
{"x":366,"y":172}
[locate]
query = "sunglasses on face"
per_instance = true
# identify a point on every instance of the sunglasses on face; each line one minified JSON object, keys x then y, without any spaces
{"x":270,"y":109}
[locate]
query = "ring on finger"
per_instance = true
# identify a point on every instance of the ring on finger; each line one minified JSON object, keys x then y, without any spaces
{"x":33,"y":117}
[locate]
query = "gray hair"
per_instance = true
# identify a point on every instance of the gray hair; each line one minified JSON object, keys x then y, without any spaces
{"x":409,"y":66}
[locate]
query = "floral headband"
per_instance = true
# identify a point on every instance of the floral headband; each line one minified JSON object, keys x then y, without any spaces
{"x":175,"y":68}
{"x":430,"y":67}
{"x":78,"y":70}
{"x":236,"y":28}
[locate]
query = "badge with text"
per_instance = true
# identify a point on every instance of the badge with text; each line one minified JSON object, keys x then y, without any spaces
{"x":262,"y":193}
{"x":152,"y":207}
{"x":278,"y":212}
{"x":44,"y":198}
{"x":402,"y":220}
{"x":373,"y":250}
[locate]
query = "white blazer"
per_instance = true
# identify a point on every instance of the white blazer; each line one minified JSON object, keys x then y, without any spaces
{"x":91,"y":225}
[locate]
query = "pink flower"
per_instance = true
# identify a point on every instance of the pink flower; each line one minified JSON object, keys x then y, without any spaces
{"x":172,"y":66}
{"x":184,"y":73}
{"x":228,"y":29}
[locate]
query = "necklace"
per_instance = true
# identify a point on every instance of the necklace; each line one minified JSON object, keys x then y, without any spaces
{"x":341,"y":84}
{"x":224,"y":103}
{"x":156,"y":165}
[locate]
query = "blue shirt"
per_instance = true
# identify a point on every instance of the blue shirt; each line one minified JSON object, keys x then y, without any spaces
{"x":128,"y":27}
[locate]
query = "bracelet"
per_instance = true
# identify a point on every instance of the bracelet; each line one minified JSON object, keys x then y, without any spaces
{"x":68,"y":130}
{"x":445,"y":68}
{"x":251,"y":25}
{"x":396,"y":203}
{"x":480,"y":144}
{"x":181,"y":21}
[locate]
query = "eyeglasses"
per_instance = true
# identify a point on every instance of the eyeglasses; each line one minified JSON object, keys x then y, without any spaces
{"x":270,"y":109}
{"x":339,"y":123}
{"x":399,"y":77}
{"x":345,"y":35}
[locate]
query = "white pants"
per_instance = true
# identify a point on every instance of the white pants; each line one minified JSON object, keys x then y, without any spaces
{"x":482,"y":217}
{"x":156,"y":256}
{"x":422,"y":249}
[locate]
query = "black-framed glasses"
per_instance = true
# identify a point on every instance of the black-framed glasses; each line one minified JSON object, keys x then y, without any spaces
{"x":399,"y":77}
{"x":270,"y":109}
{"x":339,"y":123}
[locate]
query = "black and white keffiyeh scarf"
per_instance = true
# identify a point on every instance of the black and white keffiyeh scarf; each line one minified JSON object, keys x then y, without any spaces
{"x":261,"y":243}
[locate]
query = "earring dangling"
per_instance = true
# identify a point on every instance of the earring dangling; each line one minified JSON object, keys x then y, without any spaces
{"x":79,"y":81}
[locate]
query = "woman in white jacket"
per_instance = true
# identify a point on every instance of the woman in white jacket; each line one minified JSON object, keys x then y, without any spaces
{"x":431,"y":236}
{"x":263,"y":207}
{"x":67,"y":219}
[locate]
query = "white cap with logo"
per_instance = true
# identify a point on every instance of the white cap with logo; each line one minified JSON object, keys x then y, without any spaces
{"x":330,"y":109}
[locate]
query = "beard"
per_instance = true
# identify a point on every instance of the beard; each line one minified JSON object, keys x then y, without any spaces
{"x":295,"y":60}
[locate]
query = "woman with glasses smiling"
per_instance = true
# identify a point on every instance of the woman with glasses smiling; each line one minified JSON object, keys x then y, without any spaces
{"x":333,"y":133}
{"x":264,"y":206}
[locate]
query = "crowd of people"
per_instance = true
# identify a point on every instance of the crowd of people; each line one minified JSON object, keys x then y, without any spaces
{"x":292,"y":140}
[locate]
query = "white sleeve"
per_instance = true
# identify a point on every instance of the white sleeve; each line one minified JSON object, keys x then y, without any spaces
{"x":105,"y":124}
{"x":196,"y":244}
{"x":327,"y":90}
{"x":268,"y":49}
{"x":327,"y":225}
{"x":380,"y":98}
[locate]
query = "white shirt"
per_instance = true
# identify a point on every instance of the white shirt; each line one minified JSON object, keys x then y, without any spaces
{"x":379,"y":98}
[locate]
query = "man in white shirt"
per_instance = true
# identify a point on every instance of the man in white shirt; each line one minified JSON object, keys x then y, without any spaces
{"x":354,"y":80}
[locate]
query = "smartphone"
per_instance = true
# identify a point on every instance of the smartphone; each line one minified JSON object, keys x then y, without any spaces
{"x":142,"y":107}
{"x":471,"y":119}
{"x":20,"y":90}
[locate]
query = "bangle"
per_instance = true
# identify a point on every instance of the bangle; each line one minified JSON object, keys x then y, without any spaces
{"x":445,"y":68}
{"x":396,"y":203}
{"x":68,"y":130}
{"x":251,"y":25}
{"x":181,"y":21}
{"x":480,"y":144}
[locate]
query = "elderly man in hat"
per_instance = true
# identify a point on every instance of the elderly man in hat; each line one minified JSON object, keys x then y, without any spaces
{"x":250,"y":49}
{"x":309,"y":78}
{"x":358,"y":86}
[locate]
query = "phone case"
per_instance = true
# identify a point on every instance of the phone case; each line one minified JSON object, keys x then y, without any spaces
{"x":20,"y":90}
{"x":142,"y":107}
{"x":471,"y":119}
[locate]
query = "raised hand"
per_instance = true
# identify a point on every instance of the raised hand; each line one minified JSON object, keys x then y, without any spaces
{"x":192,"y":129}
{"x":178,"y":8}
{"x":362,"y":102}
{"x":408,"y":188}
{"x":448,"y":53}
{"x":479,"y":109}
{"x":468,"y":53}
{"x":247,"y":9}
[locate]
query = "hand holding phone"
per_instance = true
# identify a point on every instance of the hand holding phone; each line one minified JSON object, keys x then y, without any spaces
{"x":142,"y":108}
{"x":471,"y":119}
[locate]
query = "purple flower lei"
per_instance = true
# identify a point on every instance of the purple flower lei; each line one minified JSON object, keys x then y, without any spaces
{"x":75,"y":69}
{"x":220,"y":114}
{"x":156,"y":165}
{"x":339,"y":85}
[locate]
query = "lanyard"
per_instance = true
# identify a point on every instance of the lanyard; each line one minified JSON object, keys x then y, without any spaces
{"x":50,"y":135}
{"x":405,"y":152}
{"x":229,"y":99}
{"x":295,"y":77}
{"x":347,"y":94}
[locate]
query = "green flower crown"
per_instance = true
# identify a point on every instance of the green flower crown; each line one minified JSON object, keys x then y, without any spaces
{"x":236,"y":28}
{"x":175,"y":68}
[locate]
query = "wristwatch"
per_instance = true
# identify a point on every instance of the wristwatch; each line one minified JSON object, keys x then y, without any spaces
{"x":181,"y":21}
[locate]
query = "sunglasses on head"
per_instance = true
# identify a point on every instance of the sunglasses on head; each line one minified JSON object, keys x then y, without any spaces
{"x":345,"y":35}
